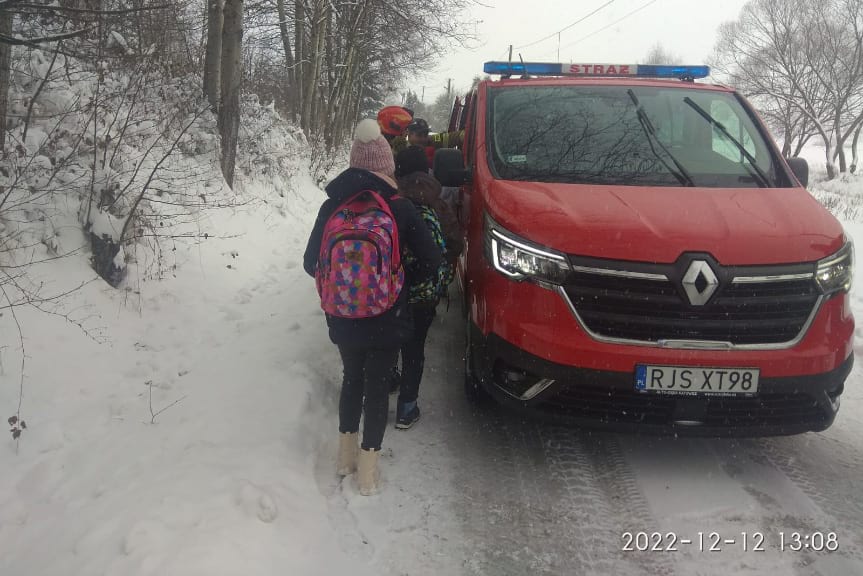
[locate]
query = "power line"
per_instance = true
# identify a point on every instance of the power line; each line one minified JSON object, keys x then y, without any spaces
{"x":553,"y":34}
{"x":604,"y":28}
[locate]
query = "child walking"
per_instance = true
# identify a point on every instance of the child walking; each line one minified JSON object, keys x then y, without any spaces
{"x":423,"y":190}
{"x":354,"y":252}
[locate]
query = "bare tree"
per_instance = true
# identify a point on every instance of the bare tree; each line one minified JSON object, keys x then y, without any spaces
{"x":803,"y":61}
{"x":213,"y":55}
{"x":854,"y":156}
{"x":658,"y":54}
{"x":290,"y":68}
{"x":229,"y":109}
{"x":786,"y":120}
{"x":835,"y":56}
{"x":5,"y":63}
{"x":301,"y":64}
{"x":340,"y":58}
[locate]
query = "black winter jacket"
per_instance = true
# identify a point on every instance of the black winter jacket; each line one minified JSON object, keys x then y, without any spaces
{"x":393,"y":327}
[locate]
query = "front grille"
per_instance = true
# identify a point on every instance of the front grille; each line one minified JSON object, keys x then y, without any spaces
{"x":628,"y":406}
{"x":770,"y":409}
{"x":768,"y":312}
{"x":611,"y":405}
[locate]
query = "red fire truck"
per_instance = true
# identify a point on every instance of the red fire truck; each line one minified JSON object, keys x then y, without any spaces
{"x":640,"y":255}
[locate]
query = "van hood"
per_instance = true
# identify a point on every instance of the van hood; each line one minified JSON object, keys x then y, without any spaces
{"x":737,"y":226}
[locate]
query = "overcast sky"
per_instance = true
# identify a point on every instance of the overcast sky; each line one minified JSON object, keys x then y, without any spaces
{"x":686,"y":28}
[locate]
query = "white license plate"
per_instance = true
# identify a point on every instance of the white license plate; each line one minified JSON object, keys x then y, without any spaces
{"x":696,"y":380}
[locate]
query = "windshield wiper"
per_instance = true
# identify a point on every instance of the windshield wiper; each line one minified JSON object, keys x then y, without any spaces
{"x":755,"y":170}
{"x":682,"y":175}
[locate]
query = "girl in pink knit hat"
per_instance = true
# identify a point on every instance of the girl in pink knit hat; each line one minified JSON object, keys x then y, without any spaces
{"x":369,"y":346}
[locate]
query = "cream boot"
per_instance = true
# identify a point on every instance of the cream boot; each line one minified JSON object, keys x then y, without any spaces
{"x":349,"y":445}
{"x":368,"y":475}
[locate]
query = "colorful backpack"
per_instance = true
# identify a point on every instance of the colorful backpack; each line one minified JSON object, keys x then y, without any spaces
{"x":435,"y":287}
{"x":359,"y":272}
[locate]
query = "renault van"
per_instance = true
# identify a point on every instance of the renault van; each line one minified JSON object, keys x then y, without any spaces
{"x":640,"y":256}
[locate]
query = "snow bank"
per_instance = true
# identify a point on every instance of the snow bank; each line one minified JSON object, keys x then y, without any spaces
{"x":187,"y":444}
{"x":177,"y":431}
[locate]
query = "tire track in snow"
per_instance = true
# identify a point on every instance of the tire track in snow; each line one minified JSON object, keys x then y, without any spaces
{"x":592,"y":514}
{"x":509,"y":506}
{"x":541,"y":499}
{"x":627,"y":501}
{"x":550,"y":500}
{"x":501,"y":509}
{"x":828,"y":472}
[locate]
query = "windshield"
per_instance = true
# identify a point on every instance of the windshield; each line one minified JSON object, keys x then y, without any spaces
{"x":596,"y":135}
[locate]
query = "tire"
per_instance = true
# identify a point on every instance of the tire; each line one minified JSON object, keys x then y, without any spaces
{"x":473,"y":389}
{"x":462,"y":294}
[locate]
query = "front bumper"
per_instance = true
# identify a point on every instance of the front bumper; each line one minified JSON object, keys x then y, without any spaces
{"x":608,"y":399}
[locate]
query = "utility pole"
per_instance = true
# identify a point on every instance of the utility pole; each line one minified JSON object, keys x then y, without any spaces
{"x":510,"y":52}
{"x":423,"y":97}
{"x":449,"y":87}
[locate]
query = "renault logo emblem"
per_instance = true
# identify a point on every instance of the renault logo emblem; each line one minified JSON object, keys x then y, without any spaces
{"x":699,"y":282}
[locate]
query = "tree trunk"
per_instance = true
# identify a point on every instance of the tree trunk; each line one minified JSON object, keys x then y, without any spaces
{"x":300,"y":63}
{"x":323,"y":85}
{"x":213,"y":56}
{"x":831,"y":167}
{"x":5,"y":64}
{"x":318,"y":110}
{"x":352,"y":113}
{"x":341,"y":105}
{"x":800,"y":144}
{"x":828,"y":149}
{"x":854,"y":156}
{"x":229,"y":112}
{"x":289,"y":56}
{"x":310,"y":79}
{"x":839,"y":151}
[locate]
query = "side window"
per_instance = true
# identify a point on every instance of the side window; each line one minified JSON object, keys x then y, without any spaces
{"x":721,"y":145}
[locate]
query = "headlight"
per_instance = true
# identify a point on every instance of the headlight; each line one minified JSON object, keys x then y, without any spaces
{"x":519,"y":260}
{"x":834,"y":273}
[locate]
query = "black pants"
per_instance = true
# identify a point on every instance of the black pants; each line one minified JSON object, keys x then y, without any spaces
{"x":366,"y":374}
{"x":413,"y":352}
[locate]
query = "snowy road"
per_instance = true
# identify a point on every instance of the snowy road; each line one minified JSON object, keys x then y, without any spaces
{"x":531,"y":498}
{"x":234,"y":473}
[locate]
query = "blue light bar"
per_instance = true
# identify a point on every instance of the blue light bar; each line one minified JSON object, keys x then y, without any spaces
{"x":665,"y":71}
{"x":595,"y":70}
{"x":519,"y":68}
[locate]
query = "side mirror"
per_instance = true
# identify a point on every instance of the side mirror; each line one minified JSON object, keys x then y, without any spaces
{"x":449,"y":168}
{"x":800,"y":168}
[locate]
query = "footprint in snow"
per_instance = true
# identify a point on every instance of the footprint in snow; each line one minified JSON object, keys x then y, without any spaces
{"x":255,"y":501}
{"x":231,"y":314}
{"x":145,"y":537}
{"x":243,"y":296}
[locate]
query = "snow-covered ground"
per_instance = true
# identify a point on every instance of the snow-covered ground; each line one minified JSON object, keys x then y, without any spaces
{"x":220,"y":482}
{"x":194,"y":434}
